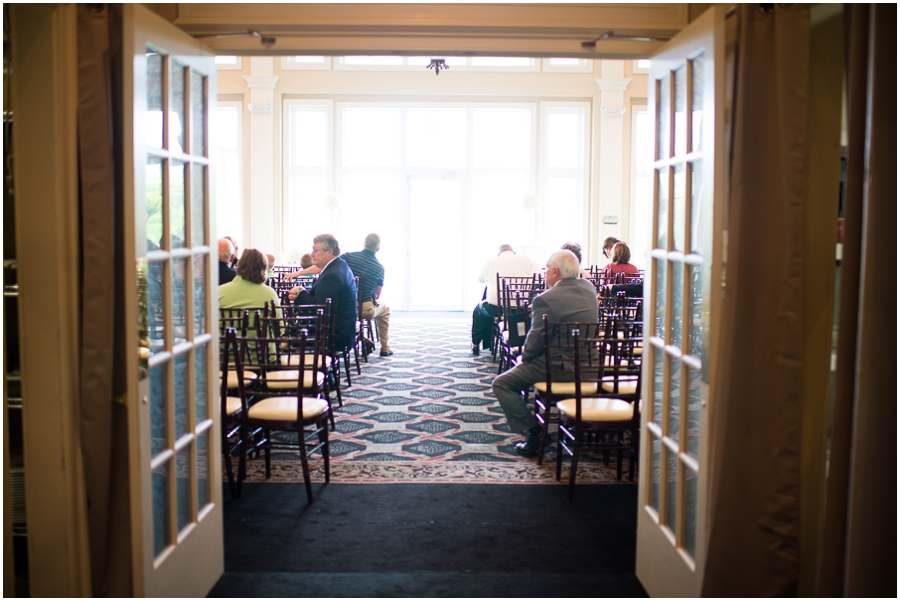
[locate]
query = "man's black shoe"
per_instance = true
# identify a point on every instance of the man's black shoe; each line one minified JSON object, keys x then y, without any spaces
{"x":475,"y":350}
{"x":370,"y":347}
{"x":529,"y":448}
{"x":385,"y":353}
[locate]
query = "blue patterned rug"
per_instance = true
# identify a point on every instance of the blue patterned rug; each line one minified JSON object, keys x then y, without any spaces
{"x":426,"y":415}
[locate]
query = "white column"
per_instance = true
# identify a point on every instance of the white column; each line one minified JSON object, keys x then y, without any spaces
{"x":612,"y":206}
{"x":261,"y":218}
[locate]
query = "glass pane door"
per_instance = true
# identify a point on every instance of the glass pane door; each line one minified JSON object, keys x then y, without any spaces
{"x":436,"y":260}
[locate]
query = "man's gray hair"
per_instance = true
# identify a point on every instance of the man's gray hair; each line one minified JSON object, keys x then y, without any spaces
{"x":505,"y":247}
{"x":373,"y":242}
{"x":328,"y":242}
{"x":226,"y":249}
{"x":566,"y":262}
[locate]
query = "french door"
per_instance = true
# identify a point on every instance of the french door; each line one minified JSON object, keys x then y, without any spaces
{"x":686,"y":98}
{"x":435,"y":251}
{"x":169,"y":82}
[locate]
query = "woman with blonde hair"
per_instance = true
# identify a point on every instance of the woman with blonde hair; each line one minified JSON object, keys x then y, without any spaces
{"x":619,"y":260}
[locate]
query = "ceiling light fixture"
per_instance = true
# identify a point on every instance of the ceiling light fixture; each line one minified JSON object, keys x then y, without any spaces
{"x":437,"y":64}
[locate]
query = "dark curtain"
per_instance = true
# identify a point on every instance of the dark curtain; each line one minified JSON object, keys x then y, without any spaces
{"x":859,"y":547}
{"x":754,"y":518}
{"x":103,"y":421}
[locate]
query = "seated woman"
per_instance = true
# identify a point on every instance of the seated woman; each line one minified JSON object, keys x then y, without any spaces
{"x":619,"y":258}
{"x":308,"y":268}
{"x":248,"y":290}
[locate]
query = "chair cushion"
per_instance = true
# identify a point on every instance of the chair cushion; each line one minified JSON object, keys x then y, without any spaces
{"x":567,"y":387}
{"x":287,"y":378}
{"x":249,"y":376}
{"x":598,"y":410}
{"x":232,"y":405}
{"x":307,"y":359}
{"x":284,"y":408}
{"x":626,"y":387}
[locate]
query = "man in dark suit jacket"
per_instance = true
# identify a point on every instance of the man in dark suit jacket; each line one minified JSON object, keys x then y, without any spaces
{"x":226,"y":254}
{"x":568,"y":298}
{"x":335,"y":282}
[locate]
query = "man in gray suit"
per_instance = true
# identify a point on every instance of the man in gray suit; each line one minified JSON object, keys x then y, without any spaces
{"x":568,"y":298}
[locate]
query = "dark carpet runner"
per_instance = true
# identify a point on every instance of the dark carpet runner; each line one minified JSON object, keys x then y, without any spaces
{"x":426,"y":414}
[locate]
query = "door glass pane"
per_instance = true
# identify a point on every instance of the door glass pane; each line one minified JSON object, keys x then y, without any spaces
{"x":680,"y":111}
{"x":200,"y":323}
{"x":156,"y":316}
{"x":662,"y":210}
{"x":677,"y":277}
{"x":655,"y":449}
{"x":183,"y":487}
{"x":181,"y":395}
{"x":699,"y":236}
{"x":179,"y":267}
{"x":656,"y":411}
{"x":424,"y":127}
{"x":200,"y":370}
{"x":659,"y":267}
{"x":678,"y":192}
{"x":176,"y":203}
{"x":696,"y":312}
{"x":202,"y":470}
{"x":674,"y":397}
{"x":153,"y":186}
{"x":153,"y":125}
{"x":697,"y":65}
{"x":198,"y":114}
{"x":692,"y":430}
{"x":158,"y":421}
{"x":671,"y":489}
{"x":690,"y":511}
{"x":432,"y":202}
{"x":160,"y":482}
{"x":198,"y":204}
{"x":662,"y":119}
{"x":176,"y":106}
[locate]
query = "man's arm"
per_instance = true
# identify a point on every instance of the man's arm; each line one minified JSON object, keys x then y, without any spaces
{"x":377,"y":292}
{"x":534,"y":341}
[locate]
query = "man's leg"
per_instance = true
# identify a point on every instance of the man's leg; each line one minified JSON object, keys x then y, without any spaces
{"x":382,"y":316}
{"x":483,"y":324}
{"x":508,"y":388}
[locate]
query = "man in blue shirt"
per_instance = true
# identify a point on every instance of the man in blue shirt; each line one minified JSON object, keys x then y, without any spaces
{"x":371,"y":278}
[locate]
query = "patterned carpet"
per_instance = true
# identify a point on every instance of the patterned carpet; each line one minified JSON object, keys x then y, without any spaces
{"x":426,"y":415}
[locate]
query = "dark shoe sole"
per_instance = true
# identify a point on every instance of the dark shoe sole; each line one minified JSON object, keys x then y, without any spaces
{"x":385,"y":353}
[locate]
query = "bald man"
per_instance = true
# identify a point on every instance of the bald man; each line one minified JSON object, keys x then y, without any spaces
{"x":226,"y":256}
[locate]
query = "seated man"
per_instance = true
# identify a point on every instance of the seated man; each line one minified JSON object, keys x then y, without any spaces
{"x":507,"y":263}
{"x":226,"y":255}
{"x":366,"y":266}
{"x":335,"y":282}
{"x":567,"y":298}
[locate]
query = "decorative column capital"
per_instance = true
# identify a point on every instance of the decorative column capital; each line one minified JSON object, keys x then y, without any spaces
{"x":612,"y":84}
{"x":261,"y":81}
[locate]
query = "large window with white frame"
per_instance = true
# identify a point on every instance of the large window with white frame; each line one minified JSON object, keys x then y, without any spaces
{"x":227,"y":145}
{"x":641,"y":186}
{"x":443,"y":183}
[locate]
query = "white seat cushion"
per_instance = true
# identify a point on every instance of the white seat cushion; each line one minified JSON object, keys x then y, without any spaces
{"x":249,"y":376}
{"x":232,"y":405}
{"x":288,"y":378}
{"x":285,"y":408}
{"x":567,"y":387}
{"x":307,"y":359}
{"x":598,"y":410}
{"x":626,"y":387}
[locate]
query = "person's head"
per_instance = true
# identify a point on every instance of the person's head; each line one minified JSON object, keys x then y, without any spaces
{"x":325,"y":248}
{"x":306,"y":261}
{"x":270,"y":260}
{"x":607,"y":246}
{"x":226,"y":250}
{"x":621,"y":254}
{"x":504,"y":248}
{"x":373,"y":243}
{"x":252,"y":266}
{"x":562,"y":265}
{"x":233,"y":243}
{"x":575,"y":248}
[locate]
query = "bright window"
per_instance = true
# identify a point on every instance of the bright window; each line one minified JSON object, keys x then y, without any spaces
{"x":641,"y":186}
{"x":227,"y":146}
